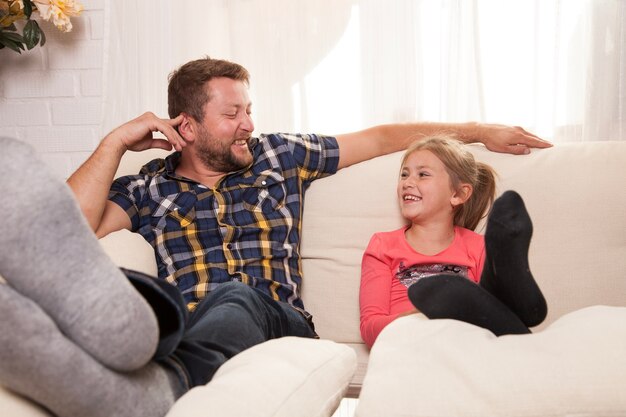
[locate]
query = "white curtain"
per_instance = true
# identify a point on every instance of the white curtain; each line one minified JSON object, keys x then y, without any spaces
{"x":137,"y":59}
{"x":556,"y":67}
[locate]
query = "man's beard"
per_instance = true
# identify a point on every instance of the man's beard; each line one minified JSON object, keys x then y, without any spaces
{"x":218,"y":156}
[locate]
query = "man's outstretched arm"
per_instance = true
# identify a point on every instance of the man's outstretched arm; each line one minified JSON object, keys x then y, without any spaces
{"x":91,"y":182}
{"x":381,"y":140}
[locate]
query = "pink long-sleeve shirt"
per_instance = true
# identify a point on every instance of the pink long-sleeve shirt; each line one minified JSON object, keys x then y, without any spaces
{"x":390,"y":265}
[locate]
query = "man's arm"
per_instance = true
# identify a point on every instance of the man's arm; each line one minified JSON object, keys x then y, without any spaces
{"x":381,"y":140}
{"x":91,"y":182}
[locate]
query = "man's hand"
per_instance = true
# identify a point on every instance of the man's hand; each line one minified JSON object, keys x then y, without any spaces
{"x":91,"y":182}
{"x":137,"y":134}
{"x":508,"y":139}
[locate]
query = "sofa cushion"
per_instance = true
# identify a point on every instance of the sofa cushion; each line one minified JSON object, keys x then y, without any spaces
{"x":12,"y":404}
{"x":571,"y":192}
{"x":286,"y":377}
{"x":575,"y":366}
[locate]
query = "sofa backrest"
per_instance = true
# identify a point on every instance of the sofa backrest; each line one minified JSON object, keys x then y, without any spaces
{"x":575,"y":194}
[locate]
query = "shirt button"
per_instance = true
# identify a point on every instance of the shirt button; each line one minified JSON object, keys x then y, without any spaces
{"x":263,"y":182}
{"x":229,"y":246}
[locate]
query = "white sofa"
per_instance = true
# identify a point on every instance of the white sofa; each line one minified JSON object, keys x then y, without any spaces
{"x":573,"y":364}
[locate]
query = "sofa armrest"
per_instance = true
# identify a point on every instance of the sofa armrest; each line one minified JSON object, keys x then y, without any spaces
{"x":12,"y":404}
{"x":283,"y":377}
{"x":575,"y":366}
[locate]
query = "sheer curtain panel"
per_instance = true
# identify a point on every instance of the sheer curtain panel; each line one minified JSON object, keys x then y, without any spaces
{"x":556,"y":67}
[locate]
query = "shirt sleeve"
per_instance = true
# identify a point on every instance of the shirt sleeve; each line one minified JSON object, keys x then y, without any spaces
{"x":375,"y":292}
{"x":480,"y":265}
{"x":128,"y":193}
{"x":317,"y":156}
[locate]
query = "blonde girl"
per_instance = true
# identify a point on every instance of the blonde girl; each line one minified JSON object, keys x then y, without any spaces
{"x":434,"y":263}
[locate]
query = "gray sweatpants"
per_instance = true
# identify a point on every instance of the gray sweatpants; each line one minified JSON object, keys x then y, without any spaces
{"x":75,"y":336}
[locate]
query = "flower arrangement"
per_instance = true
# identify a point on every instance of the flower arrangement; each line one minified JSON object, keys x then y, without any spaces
{"x":12,"y":11}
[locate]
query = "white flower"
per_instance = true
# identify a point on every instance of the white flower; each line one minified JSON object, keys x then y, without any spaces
{"x":59,"y":11}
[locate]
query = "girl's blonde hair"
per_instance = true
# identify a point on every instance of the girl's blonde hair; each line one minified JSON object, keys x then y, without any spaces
{"x":463,"y":169}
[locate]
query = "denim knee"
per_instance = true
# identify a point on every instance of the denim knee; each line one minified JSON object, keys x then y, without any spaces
{"x":228,"y":293}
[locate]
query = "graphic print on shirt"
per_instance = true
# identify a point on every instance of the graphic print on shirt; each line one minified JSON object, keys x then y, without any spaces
{"x":412,"y":274}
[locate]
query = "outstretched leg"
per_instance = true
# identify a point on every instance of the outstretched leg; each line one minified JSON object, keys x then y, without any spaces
{"x":456,"y":297}
{"x":49,"y":255}
{"x":38,"y":361}
{"x":231,"y":319}
{"x":507,"y":274}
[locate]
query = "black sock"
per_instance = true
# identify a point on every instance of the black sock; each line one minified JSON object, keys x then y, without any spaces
{"x":507,"y":274}
{"x":456,"y":297}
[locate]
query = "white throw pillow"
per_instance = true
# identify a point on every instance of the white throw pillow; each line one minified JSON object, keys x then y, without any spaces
{"x":286,"y":377}
{"x":435,"y":368}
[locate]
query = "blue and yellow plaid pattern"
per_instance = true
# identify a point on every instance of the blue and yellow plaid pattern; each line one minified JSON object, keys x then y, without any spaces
{"x":247,"y":228}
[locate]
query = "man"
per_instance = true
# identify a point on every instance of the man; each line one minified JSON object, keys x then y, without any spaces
{"x":223,"y":215}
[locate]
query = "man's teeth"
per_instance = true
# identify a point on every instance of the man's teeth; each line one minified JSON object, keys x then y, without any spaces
{"x":411,"y":197}
{"x":241,"y":142}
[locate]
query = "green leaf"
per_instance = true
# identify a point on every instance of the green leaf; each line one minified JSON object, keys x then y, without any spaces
{"x":14,"y":47}
{"x":12,"y":41}
{"x":11,"y":44}
{"x":16,"y":37}
{"x":32,"y":34}
{"x":28,"y":8}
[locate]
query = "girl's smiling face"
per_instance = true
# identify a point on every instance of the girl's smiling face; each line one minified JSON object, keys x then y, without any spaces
{"x":425,"y":190}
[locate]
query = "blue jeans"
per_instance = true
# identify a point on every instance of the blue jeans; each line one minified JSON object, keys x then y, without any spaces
{"x":227,"y":321}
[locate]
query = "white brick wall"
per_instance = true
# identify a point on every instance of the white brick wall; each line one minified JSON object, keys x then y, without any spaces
{"x":51,"y":97}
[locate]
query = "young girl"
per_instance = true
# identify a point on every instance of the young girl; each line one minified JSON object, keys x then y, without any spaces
{"x":433,"y":264}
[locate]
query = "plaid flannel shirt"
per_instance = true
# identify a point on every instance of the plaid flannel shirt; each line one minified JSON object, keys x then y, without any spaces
{"x":247,"y":228}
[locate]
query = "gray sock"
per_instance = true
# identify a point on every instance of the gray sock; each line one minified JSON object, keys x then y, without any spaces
{"x":49,"y":254}
{"x":38,"y":361}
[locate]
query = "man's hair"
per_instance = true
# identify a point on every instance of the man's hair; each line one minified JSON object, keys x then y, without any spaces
{"x":188,"y":91}
{"x":463,"y":169}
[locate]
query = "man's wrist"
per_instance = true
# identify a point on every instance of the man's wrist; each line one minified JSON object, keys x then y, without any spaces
{"x":470,"y":132}
{"x":113,"y":145}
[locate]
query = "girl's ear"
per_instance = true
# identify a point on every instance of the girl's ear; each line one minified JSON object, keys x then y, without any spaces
{"x":187,"y":128}
{"x":462,"y":194}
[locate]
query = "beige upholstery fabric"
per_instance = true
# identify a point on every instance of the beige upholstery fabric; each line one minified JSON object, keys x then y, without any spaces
{"x":574,"y":193}
{"x":440,"y":368}
{"x":284,"y":377}
{"x":13,"y":405}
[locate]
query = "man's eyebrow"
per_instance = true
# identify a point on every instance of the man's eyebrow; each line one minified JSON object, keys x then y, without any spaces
{"x":237,"y":106}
